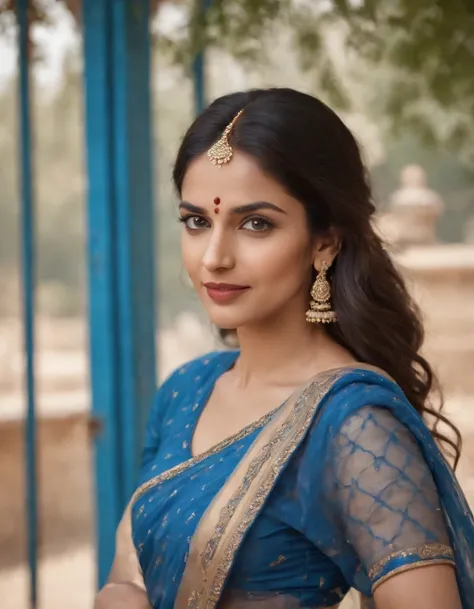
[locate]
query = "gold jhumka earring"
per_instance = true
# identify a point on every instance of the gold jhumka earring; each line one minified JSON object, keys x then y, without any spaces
{"x":221,"y":152}
{"x":319,"y":311}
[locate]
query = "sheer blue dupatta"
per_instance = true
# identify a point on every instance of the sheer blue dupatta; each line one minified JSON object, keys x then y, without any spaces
{"x":386,"y":500}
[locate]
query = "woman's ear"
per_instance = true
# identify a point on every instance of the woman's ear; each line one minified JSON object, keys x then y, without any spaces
{"x":326,"y":248}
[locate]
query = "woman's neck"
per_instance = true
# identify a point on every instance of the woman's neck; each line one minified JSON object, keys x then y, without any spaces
{"x":285,"y":353}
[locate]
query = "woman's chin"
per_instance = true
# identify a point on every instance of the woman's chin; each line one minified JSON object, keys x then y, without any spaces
{"x":226,"y":321}
{"x":224,"y":324}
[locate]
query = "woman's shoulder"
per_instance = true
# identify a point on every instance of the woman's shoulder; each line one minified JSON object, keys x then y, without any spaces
{"x":205,"y":361}
{"x":188,"y":379}
{"x":362,"y":393}
{"x":198,"y":370}
{"x":365,"y":412}
{"x":361,"y":372}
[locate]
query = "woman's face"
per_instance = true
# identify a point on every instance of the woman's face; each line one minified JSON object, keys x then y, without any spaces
{"x":251,"y":261}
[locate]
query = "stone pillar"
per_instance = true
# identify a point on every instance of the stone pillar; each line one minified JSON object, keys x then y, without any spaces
{"x":415,"y":209}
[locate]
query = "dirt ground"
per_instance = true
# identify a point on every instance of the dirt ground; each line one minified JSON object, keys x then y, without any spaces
{"x":66,"y":581}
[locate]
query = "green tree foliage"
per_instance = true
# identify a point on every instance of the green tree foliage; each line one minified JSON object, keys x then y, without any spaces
{"x":424,"y":47}
{"x":423,"y":51}
{"x":427,"y":47}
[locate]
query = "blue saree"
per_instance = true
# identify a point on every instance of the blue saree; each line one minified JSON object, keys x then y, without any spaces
{"x":341,"y":487}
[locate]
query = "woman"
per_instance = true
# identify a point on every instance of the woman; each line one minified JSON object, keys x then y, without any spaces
{"x":280,"y":475}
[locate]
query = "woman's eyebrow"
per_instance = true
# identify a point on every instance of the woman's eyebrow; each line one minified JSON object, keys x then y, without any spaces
{"x":239,"y":210}
{"x":249,"y":207}
{"x":192,"y":208}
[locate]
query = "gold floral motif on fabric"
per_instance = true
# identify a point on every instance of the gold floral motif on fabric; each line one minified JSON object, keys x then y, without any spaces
{"x":181,"y":467}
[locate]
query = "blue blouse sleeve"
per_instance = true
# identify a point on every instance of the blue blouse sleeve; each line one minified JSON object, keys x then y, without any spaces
{"x":379,"y":505}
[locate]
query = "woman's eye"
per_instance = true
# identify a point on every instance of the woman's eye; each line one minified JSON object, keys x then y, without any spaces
{"x":257,"y":225}
{"x":195,"y":222}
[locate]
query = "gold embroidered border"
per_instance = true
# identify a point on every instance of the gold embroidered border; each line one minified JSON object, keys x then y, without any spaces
{"x":214,"y":546}
{"x":415,"y":565}
{"x":181,"y":467}
{"x":428,"y":552}
{"x":246,"y":431}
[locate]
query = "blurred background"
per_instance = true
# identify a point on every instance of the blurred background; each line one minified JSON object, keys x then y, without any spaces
{"x":399,"y":73}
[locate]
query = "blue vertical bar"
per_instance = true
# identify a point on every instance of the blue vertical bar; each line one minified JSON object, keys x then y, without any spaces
{"x":199,"y":83}
{"x":134,"y":215}
{"x":28,"y":281}
{"x":103,"y":335}
{"x":199,"y":69}
{"x":121,"y":248}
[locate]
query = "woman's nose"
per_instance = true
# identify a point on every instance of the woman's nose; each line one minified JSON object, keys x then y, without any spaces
{"x":219,"y":253}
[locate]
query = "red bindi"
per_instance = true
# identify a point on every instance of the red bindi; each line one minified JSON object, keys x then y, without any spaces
{"x":216,"y":210}
{"x":217,"y":201}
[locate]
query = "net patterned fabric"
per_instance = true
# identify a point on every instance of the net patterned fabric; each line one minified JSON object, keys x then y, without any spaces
{"x":385,"y":497}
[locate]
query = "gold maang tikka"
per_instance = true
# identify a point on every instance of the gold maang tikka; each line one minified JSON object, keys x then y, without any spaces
{"x":320,"y":307}
{"x":221,"y":152}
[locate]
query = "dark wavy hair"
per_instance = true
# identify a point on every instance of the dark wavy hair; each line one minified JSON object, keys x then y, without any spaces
{"x":305,"y":146}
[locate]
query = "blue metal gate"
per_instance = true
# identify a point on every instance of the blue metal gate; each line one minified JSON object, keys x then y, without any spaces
{"x":28,"y":287}
{"x":121,"y":248}
{"x":118,"y":133}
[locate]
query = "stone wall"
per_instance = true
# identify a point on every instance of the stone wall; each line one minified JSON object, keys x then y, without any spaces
{"x":441,"y":279}
{"x":65,"y":487}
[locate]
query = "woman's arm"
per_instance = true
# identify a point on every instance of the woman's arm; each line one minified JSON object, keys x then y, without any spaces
{"x":428,"y":587}
{"x":389,"y":515}
{"x":121,"y":596}
{"x":125,"y":588}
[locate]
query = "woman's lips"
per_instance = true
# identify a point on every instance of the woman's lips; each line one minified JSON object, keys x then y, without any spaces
{"x":224,"y":292}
